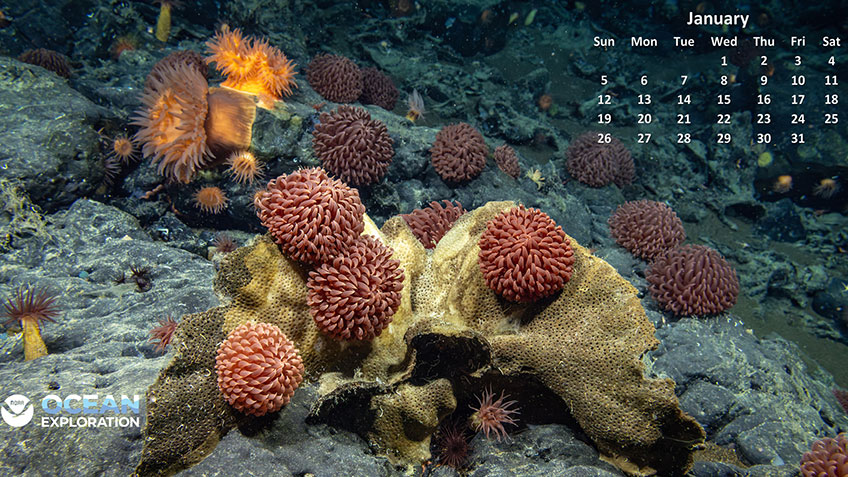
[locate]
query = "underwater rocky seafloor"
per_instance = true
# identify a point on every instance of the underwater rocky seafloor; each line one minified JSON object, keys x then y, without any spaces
{"x":757,"y":395}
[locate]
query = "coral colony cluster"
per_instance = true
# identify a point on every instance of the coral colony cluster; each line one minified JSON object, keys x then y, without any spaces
{"x":342,"y":291}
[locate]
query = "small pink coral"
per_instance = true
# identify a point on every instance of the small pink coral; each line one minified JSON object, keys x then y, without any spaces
{"x":335,"y":78}
{"x":459,"y":153}
{"x":377,"y":88}
{"x":431,"y":223}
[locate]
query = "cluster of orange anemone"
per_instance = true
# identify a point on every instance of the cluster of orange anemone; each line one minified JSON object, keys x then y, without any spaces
{"x":826,"y":188}
{"x":185,"y":126}
{"x":251,"y":65}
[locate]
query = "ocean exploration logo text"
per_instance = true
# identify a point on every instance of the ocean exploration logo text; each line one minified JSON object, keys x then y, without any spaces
{"x":74,"y":410}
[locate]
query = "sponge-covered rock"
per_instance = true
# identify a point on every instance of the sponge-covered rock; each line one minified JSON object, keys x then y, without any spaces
{"x":583,"y":344}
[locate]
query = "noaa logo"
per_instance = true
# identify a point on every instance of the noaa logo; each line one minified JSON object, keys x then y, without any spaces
{"x":17,"y":410}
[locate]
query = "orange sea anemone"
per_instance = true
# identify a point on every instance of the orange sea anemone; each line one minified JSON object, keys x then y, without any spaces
{"x":244,"y":167}
{"x":123,"y":149}
{"x":545,"y":102}
{"x":172,"y":122}
{"x":184,"y":124}
{"x":251,"y":65}
{"x":783,"y":184}
{"x":211,"y":200}
{"x":122,"y":44}
{"x":826,"y":188}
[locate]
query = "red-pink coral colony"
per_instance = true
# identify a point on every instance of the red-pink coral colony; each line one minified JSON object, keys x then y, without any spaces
{"x":459,"y":153}
{"x":596,"y":162}
{"x":311,"y":216}
{"x":431,"y":223}
{"x":827,"y":458}
{"x":693,"y":280}
{"x":355,"y":295}
{"x":524,"y":255}
{"x":352,"y":146}
{"x":258,"y":368}
{"x":646,"y":228}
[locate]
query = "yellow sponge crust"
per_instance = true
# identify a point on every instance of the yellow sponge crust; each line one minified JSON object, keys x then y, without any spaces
{"x":409,"y":417}
{"x":585,"y":344}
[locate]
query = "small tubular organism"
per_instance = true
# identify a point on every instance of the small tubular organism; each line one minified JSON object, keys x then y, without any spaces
{"x":30,"y":306}
{"x":415,"y":106}
{"x":163,"y":21}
